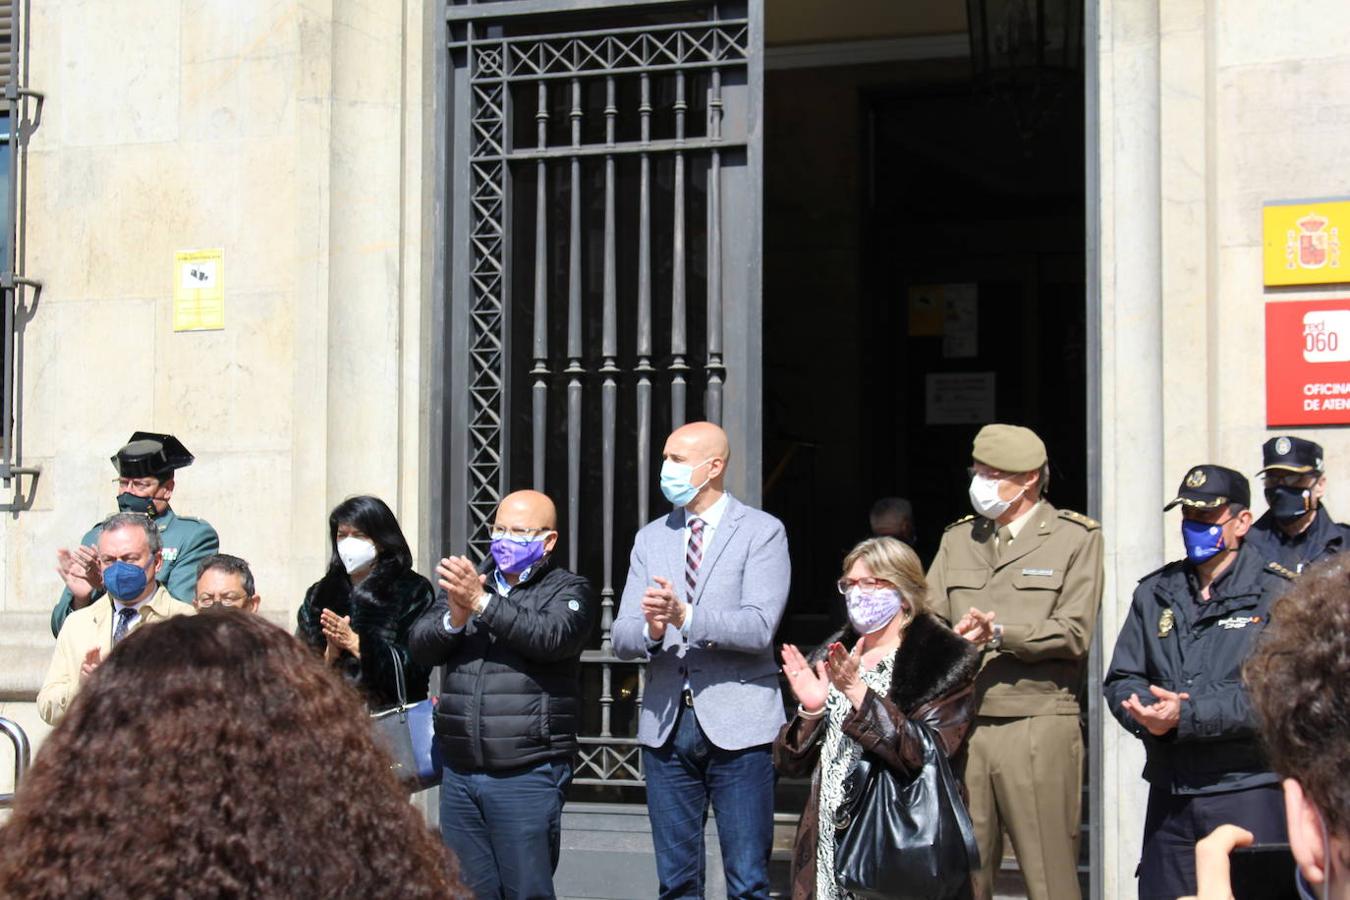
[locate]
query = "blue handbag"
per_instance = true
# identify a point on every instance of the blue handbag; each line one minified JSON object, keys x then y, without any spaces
{"x":408,"y":734}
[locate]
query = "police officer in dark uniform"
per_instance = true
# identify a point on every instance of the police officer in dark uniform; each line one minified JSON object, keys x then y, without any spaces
{"x":1297,"y":530}
{"x":145,"y":480}
{"x":1175,"y":682}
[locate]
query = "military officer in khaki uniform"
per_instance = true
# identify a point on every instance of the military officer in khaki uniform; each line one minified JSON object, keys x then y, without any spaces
{"x":145,"y":482}
{"x":1024,"y":580}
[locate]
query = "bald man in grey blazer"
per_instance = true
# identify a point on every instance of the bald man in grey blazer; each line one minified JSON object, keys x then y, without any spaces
{"x":706,"y":588}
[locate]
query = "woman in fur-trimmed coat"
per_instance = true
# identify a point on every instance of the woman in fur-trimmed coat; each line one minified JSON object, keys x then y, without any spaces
{"x":360,"y":613}
{"x":856,"y":693}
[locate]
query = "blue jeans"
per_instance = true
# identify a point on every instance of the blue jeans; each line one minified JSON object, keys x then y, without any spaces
{"x":506,"y":828}
{"x":686,"y":773}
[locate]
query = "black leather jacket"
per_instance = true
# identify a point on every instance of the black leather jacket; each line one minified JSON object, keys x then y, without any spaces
{"x":1176,"y":642}
{"x":510,"y":681}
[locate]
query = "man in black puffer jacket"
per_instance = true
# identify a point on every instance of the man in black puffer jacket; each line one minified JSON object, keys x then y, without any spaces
{"x":508,"y":636}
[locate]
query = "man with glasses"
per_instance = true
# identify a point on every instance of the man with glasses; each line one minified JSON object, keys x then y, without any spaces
{"x":145,"y":483}
{"x":1175,"y":682}
{"x":1023,"y":580}
{"x":508,"y":636}
{"x":1296,"y":530}
{"x":225,"y":582}
{"x":129,"y":555}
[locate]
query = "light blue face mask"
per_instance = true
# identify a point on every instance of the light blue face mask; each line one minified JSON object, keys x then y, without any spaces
{"x":677,"y":481}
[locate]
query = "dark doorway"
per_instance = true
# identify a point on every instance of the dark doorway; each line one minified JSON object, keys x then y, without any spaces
{"x":923,"y":274}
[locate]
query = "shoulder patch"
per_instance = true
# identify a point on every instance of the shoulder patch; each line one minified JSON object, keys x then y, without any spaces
{"x":1282,"y":571}
{"x":961,"y":521}
{"x":1079,"y":519}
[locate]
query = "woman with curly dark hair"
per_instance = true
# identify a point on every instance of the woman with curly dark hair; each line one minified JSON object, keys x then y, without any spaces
{"x":214,"y":756}
{"x":359,"y":614}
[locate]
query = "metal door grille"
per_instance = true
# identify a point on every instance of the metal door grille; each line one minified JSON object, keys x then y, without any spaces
{"x":594,"y":165}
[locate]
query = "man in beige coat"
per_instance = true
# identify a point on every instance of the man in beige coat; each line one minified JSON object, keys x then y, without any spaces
{"x":1023,"y":580}
{"x":129,"y":556}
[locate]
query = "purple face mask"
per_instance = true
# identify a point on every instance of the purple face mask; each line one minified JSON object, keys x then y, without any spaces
{"x":515,"y":556}
{"x":871,"y":612}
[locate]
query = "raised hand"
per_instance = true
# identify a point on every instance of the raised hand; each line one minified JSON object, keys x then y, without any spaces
{"x":338,"y":630}
{"x":976,"y":627}
{"x":845,"y":672}
{"x":92,"y":657}
{"x":811,"y":686}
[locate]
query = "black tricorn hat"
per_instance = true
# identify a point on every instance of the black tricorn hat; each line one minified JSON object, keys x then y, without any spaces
{"x":151,"y":455}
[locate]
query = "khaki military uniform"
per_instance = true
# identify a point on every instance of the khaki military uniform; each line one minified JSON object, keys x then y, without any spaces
{"x":1025,"y":764}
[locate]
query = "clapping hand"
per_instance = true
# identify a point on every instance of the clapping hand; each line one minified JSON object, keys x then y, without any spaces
{"x":1162,"y":716}
{"x":92,"y":658}
{"x":845,"y":672}
{"x":79,"y":569}
{"x":462,"y":585}
{"x":338,"y":630}
{"x":660,"y":607}
{"x":811,"y":686}
{"x":976,"y":627}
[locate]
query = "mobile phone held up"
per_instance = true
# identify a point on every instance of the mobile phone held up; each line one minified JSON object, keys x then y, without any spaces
{"x":1262,"y":872}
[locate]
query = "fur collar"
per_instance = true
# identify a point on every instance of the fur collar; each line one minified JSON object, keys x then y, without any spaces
{"x":932,"y":661}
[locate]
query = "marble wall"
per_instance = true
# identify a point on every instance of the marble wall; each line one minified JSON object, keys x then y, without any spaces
{"x":295,"y":136}
{"x":1207,"y":109}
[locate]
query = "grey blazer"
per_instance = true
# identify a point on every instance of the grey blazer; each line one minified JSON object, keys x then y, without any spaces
{"x":727,"y":656}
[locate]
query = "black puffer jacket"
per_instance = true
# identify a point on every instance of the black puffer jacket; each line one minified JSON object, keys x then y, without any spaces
{"x":511,"y":679}
{"x":383,"y":609}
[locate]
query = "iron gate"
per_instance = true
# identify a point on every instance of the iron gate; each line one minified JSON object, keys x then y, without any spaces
{"x":603,"y":281}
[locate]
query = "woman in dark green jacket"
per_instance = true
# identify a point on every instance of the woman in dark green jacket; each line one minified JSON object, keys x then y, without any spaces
{"x":359,"y":614}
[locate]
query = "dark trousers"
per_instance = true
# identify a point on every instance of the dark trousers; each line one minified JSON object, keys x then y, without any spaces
{"x":683,"y":776}
{"x":506,"y":828}
{"x":1174,"y":823}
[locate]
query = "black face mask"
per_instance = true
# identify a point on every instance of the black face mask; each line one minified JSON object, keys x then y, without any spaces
{"x":128,"y":502}
{"x":1288,"y":503}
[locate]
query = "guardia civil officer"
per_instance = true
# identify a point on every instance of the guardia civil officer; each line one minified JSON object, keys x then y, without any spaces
{"x":1297,"y":530}
{"x":145,"y":483}
{"x":1023,"y":580}
{"x":1175,"y":682}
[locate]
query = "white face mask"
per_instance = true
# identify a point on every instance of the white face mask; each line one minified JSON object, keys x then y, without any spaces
{"x":355,"y":553}
{"x":984,"y":497}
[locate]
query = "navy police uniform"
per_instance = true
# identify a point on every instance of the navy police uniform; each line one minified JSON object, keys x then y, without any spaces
{"x":187,"y":541}
{"x":1210,"y":768}
{"x":1323,"y":537}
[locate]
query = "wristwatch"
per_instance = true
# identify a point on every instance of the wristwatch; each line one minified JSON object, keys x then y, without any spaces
{"x":481,"y":603}
{"x":996,"y":642}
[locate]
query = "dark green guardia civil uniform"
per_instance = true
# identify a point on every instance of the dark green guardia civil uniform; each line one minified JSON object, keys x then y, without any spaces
{"x":187,"y":541}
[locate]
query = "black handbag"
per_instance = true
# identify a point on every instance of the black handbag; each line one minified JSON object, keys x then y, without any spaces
{"x":408,"y":735}
{"x":901,"y":837}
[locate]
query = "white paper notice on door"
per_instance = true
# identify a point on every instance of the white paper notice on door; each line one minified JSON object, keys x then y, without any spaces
{"x":959,"y":398}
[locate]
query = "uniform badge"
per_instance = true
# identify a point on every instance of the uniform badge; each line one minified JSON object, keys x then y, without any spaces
{"x":1165,"y":622}
{"x":1283,"y":446}
{"x":1196,"y":478}
{"x":170,"y":554}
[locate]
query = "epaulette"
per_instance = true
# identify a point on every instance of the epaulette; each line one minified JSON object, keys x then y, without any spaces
{"x":1079,"y":519}
{"x":1281,"y":571}
{"x":1161,"y":569}
{"x":960,"y":521}
{"x":199,"y":521}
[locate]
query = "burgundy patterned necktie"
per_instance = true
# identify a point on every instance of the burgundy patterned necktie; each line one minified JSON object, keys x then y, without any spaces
{"x":693,"y":556}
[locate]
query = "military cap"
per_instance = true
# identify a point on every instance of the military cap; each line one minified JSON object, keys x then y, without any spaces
{"x":1209,"y":487}
{"x":1010,"y":448}
{"x":151,"y":455}
{"x":1291,"y":454}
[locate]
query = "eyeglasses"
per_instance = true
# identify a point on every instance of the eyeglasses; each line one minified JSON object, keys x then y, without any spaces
{"x":868,"y":585}
{"x":140,"y":484}
{"x":497,"y":532}
{"x":988,"y":472}
{"x":231,"y":599}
